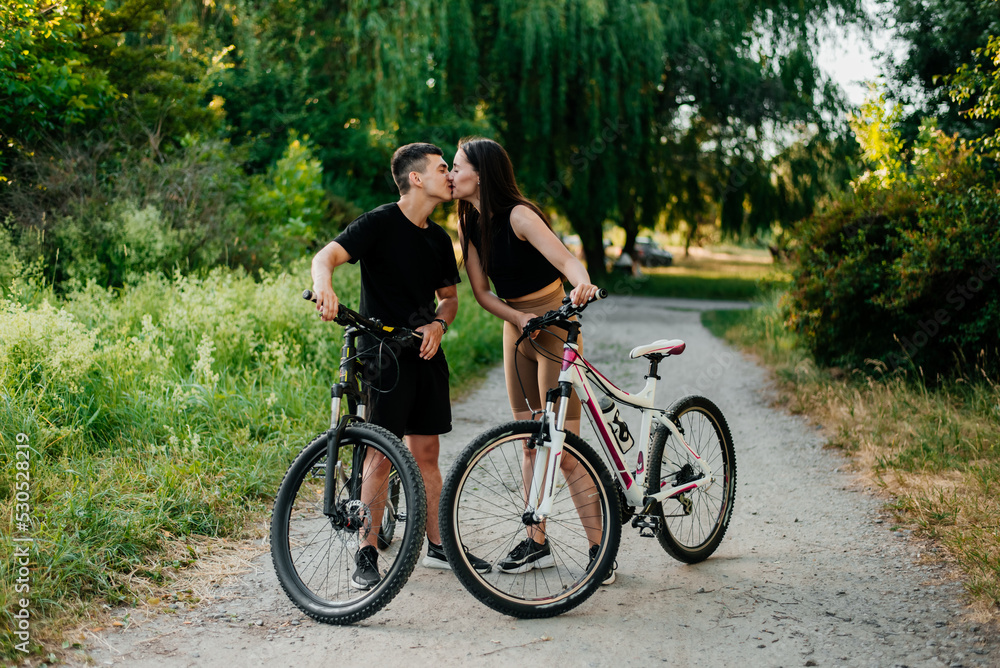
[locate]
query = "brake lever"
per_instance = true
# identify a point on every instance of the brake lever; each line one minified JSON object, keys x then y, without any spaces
{"x":529,"y":328}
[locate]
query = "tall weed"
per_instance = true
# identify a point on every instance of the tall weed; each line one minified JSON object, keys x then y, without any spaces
{"x":166,"y":410}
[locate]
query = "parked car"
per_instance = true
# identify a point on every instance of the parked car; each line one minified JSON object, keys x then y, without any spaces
{"x":649,"y":254}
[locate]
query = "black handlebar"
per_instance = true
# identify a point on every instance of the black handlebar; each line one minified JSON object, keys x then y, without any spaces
{"x":346,"y":317}
{"x":560,"y":316}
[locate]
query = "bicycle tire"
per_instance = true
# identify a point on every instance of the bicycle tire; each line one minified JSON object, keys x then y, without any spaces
{"x":314,"y":560}
{"x":482,"y":502}
{"x":691,"y":534}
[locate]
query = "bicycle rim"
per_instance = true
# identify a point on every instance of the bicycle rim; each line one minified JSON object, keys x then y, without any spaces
{"x":482,"y":504}
{"x":314,"y":559}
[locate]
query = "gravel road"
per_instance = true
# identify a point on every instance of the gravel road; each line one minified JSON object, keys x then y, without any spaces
{"x":811,"y":572}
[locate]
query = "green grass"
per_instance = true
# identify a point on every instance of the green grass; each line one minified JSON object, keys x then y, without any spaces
{"x":159,"y":413}
{"x":935,"y":450}
{"x":690,"y":287}
{"x":167,"y":411}
{"x":705,"y":275}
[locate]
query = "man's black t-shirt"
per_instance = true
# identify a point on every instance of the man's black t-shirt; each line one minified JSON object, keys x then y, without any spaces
{"x":402,"y":265}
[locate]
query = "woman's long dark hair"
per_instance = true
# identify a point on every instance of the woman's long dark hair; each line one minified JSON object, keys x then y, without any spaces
{"x":498,"y":191}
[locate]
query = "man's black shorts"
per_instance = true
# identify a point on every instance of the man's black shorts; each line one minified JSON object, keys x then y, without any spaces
{"x":410,"y":395}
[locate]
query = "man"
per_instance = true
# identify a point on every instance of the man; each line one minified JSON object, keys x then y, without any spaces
{"x":406,"y":262}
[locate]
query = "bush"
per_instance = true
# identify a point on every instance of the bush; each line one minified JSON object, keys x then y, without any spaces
{"x":161,"y":412}
{"x":118,"y":247}
{"x":96,"y":211}
{"x":169,"y":408}
{"x":290,"y":209}
{"x":902,"y":273}
{"x":93,"y":210}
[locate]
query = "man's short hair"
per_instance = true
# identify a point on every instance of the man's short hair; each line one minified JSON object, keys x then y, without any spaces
{"x":410,"y":158}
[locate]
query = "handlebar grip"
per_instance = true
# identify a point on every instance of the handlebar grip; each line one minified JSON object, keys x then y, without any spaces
{"x":368,"y":324}
{"x":601,"y":294}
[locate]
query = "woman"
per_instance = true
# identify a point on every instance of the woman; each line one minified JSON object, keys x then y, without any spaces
{"x":507,"y":239}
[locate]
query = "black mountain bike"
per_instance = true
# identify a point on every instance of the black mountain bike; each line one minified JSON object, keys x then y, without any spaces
{"x":354,"y":483}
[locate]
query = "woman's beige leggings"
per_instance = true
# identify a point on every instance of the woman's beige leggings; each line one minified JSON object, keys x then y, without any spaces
{"x":536,"y":363}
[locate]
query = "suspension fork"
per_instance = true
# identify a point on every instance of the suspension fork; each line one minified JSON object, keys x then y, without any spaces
{"x":339,"y":422}
{"x":333,"y":466}
{"x":549,"y":452}
{"x":553,"y":432}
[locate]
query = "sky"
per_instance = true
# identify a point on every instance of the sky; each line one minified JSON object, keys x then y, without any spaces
{"x":850,"y":61}
{"x":851,"y":57}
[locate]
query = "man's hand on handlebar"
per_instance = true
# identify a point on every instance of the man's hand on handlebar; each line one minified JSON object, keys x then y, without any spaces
{"x":327,"y":302}
{"x":345,"y":317}
{"x":431,"y":334}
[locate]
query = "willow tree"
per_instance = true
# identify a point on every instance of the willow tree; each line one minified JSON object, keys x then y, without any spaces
{"x":576,"y":100}
{"x":618,"y":110}
{"x":358,"y":78}
{"x":939,"y":37}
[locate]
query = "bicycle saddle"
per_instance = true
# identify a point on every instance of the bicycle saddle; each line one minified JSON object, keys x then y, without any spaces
{"x":661,"y":347}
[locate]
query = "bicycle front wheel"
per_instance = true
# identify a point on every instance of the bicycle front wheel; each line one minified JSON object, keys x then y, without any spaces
{"x":315,"y":556}
{"x":539,"y":570}
{"x":692,"y":524}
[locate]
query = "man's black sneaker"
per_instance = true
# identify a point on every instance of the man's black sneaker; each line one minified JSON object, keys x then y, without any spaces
{"x":366,"y":574}
{"x":527,"y":555}
{"x":436,"y":559}
{"x":594,"y":549}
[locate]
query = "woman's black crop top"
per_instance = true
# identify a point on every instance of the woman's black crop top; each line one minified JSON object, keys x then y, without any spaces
{"x":517,"y":268}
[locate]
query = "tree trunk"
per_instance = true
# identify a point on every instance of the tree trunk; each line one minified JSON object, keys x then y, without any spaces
{"x":593,"y":251}
{"x":631,"y":226}
{"x":692,"y":231}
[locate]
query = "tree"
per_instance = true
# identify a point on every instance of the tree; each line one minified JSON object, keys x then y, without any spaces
{"x":941,"y":36}
{"x":48,"y":80}
{"x":980,"y":86}
{"x":358,"y":78}
{"x":609,"y":108}
{"x":72,"y":66}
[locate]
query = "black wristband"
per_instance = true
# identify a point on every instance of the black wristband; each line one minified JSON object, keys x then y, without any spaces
{"x":443,"y":324}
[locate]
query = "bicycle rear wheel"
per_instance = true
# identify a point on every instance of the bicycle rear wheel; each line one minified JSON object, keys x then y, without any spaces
{"x":693,"y":524}
{"x":482,"y":503}
{"x":314,"y":555}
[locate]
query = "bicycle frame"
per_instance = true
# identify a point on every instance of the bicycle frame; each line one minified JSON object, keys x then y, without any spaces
{"x":347,"y":387}
{"x":577,"y":373}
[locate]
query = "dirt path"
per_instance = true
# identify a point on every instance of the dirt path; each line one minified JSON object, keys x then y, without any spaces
{"x":810,"y":573}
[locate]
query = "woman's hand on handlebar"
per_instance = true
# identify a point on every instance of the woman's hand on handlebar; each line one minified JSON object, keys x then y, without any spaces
{"x":327,"y":302}
{"x":522,"y":321}
{"x":583,"y":293}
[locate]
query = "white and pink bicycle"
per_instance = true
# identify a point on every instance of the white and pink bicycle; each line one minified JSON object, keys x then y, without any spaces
{"x":541,"y":505}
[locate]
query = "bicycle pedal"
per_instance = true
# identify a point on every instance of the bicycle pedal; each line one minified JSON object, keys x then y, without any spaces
{"x":646,"y":525}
